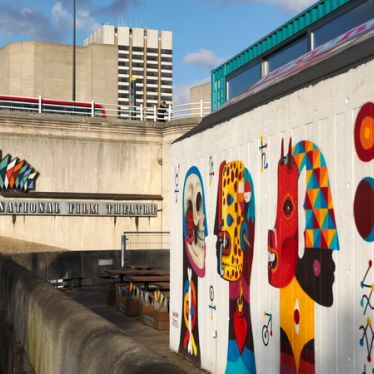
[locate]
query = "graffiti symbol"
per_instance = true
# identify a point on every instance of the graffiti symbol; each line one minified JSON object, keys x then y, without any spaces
{"x":211,"y":172}
{"x":266,"y":334}
{"x":367,"y":338}
{"x":211,"y":306}
{"x":176,"y":183}
{"x":264,"y":164}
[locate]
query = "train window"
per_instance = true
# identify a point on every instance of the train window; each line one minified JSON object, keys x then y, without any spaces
{"x":347,"y":21}
{"x":287,"y":54}
{"x":242,"y":79}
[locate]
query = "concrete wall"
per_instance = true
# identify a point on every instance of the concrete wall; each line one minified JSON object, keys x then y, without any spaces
{"x":296,"y":298}
{"x":61,"y":336}
{"x":84,"y":155}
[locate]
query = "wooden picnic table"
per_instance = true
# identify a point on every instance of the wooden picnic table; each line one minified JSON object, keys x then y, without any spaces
{"x":147,"y":279}
{"x":132,"y":272}
{"x":144,"y":267}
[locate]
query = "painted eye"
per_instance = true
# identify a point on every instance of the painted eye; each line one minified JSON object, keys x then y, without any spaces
{"x":198,"y":201}
{"x":288,"y":207}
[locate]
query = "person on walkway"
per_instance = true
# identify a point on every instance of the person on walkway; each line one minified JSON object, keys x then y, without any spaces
{"x":161,"y":111}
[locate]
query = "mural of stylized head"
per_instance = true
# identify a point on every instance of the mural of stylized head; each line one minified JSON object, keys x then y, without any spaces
{"x":194,"y":220}
{"x":283,"y":239}
{"x":234,"y":224}
{"x":315,"y":269}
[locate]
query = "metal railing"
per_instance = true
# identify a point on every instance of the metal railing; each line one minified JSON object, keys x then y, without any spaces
{"x":92,"y":109}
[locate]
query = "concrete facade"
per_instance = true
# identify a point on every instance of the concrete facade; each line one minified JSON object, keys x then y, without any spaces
{"x":31,"y":69}
{"x":86,"y":155}
{"x":201,"y":92}
{"x":144,"y":56}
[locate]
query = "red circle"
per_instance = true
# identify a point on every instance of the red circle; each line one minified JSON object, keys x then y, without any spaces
{"x":370,"y":263}
{"x":369,"y":358}
{"x":364,"y":147}
{"x":296,"y":316}
{"x":363,"y":208}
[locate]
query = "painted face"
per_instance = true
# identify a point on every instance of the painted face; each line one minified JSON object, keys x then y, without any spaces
{"x":195,"y":220}
{"x":235,"y":195}
{"x":283,"y":239}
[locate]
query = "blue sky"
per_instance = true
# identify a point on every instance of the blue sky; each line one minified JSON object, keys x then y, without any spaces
{"x":205,"y":32}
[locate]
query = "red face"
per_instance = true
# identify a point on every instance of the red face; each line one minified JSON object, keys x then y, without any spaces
{"x":284,"y":238}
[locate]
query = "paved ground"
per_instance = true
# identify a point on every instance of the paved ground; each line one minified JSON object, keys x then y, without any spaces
{"x":158,"y":341}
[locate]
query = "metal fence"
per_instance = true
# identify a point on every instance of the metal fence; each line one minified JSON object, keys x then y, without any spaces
{"x":146,"y":240}
{"x":103,"y":110}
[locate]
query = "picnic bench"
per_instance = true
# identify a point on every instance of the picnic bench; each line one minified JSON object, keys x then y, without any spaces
{"x":124,"y":274}
{"x":147,"y":279}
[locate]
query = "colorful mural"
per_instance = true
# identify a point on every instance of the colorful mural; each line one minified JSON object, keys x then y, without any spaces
{"x":195,"y":231}
{"x":302,"y":281}
{"x":16,"y":174}
{"x":235,"y":231}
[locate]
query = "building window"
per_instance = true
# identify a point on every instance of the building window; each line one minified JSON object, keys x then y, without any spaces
{"x":123,"y":55}
{"x":137,"y":57}
{"x":166,"y":83}
{"x":123,"y":47}
{"x":152,"y":97}
{"x":167,"y":51}
{"x":152,"y":50}
{"x":122,"y":95}
{"x":139,"y":96}
{"x":122,"y":79}
{"x":137,"y":49}
{"x":166,"y":59}
{"x":166,"y":98}
{"x":287,"y":54}
{"x":137,"y":65}
{"x":241,"y":79}
{"x":152,"y":66}
{"x":152,"y":58}
{"x":151,"y":89}
{"x":166,"y":75}
{"x":123,"y":63}
{"x":166,"y":90}
{"x":122,"y":71}
{"x":123,"y":87}
{"x":167,"y":67}
{"x":152,"y":81}
{"x":152,"y":74}
{"x":347,"y":21}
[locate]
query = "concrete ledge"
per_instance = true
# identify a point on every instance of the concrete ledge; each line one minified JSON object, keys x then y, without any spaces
{"x":80,"y":265}
{"x":61,"y":336}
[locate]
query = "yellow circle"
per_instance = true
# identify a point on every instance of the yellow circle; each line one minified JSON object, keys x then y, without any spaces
{"x":367,"y":132}
{"x":368,"y":321}
{"x":372,"y":287}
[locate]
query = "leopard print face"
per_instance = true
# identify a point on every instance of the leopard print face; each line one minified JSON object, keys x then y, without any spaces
{"x":234,"y":194}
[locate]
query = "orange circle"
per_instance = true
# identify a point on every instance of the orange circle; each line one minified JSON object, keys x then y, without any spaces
{"x":367,"y":132}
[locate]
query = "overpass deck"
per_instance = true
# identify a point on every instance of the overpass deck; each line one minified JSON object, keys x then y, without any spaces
{"x":93,"y":298}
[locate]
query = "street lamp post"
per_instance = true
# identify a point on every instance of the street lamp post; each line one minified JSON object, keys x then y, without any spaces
{"x":73,"y":98}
